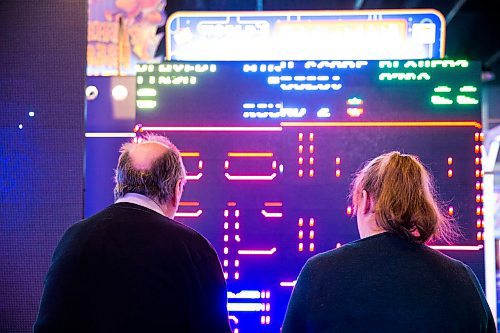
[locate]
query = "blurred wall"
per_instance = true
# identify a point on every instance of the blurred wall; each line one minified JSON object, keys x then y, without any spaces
{"x":42,"y":91}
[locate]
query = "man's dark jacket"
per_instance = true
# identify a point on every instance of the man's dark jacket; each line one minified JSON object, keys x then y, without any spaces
{"x":130,"y":269}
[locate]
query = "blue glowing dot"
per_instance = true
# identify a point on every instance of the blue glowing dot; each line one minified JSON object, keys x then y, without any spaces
{"x":20,"y":126}
{"x":31,"y":114}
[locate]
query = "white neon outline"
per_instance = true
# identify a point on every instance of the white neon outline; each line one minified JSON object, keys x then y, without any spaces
{"x":267,"y":214}
{"x":251,"y":294}
{"x":110,"y":135}
{"x":254,"y":177}
{"x":196,"y":177}
{"x":288,"y":283}
{"x":186,"y":214}
{"x":257,"y":252}
{"x":234,"y":319}
{"x":457,"y":247}
{"x":212,"y":129}
{"x":245,"y":307}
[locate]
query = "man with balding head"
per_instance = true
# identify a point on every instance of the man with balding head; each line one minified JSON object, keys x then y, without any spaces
{"x":131,"y":267}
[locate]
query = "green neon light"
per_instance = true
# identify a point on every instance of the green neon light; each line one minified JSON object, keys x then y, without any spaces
{"x":404,"y":76}
{"x":388,"y":64}
{"x":440,"y":100}
{"x":461,"y":99}
{"x":436,"y":63}
{"x":468,"y":89}
{"x":442,"y":89}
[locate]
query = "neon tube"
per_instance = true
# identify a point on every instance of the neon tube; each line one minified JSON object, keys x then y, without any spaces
{"x":252,"y":294}
{"x":189,"y":203}
{"x":183,"y":214}
{"x":273,"y":204}
{"x":190,"y":154}
{"x":382,"y":124}
{"x":288,"y":283}
{"x":266,"y":214}
{"x":196,"y":177}
{"x":258,"y":252}
{"x":234,"y":319}
{"x":212,"y":129}
{"x":249,"y":154}
{"x":457,"y":247}
{"x":109,"y":135}
{"x":245,"y":307}
{"x":231,"y":177}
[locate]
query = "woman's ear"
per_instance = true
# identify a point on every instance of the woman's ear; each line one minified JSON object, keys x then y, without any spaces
{"x":365,"y":205}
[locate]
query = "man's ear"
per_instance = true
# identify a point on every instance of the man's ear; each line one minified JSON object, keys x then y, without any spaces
{"x":178,"y":192}
{"x":365,"y":202}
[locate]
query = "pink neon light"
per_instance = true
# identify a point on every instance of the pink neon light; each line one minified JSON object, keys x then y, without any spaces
{"x":183,"y":214}
{"x":266,"y":214}
{"x":231,"y":177}
{"x":258,"y":252}
{"x":457,"y":247}
{"x":211,"y":129}
{"x":234,"y":319}
{"x":196,"y":177}
{"x":288,"y":283}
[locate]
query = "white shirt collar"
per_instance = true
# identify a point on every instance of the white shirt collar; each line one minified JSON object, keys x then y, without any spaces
{"x":141,"y":200}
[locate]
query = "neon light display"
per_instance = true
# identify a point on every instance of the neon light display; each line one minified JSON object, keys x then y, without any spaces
{"x":305,"y":35}
{"x":269,"y":167}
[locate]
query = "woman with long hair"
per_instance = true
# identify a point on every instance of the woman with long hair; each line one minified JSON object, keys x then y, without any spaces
{"x":390,"y":280}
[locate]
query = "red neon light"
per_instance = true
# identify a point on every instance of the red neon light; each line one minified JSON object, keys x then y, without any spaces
{"x":381,"y":124}
{"x":249,"y":154}
{"x":231,"y":203}
{"x":273,"y":204}
{"x":210,"y":129}
{"x":269,"y":177}
{"x":189,"y":203}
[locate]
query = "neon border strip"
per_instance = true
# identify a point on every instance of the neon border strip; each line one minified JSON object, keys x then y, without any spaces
{"x":313,"y":124}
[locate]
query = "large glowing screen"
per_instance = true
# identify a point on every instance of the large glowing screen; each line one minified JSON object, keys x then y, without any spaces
{"x":270,"y":149}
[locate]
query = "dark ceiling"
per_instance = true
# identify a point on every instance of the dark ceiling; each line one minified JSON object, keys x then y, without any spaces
{"x":472,"y":26}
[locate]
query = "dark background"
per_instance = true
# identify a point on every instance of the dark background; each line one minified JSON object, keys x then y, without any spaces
{"x":42,"y":70}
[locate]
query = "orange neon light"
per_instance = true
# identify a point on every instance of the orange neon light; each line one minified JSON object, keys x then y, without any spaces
{"x":381,"y":124}
{"x":273,"y":204}
{"x":189,"y":203}
{"x":210,"y":129}
{"x":231,"y":203}
{"x":249,"y":154}
{"x":189,"y":154}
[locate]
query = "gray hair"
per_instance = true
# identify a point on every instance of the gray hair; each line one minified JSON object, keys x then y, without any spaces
{"x":157,"y":183}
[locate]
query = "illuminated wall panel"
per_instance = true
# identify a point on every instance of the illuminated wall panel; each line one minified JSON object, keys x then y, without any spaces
{"x":270,"y":149}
